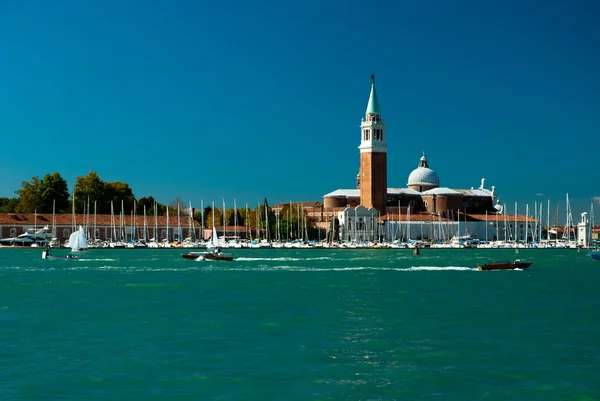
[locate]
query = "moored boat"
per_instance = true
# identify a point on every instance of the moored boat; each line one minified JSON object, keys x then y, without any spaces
{"x":31,"y":237}
{"x":595,"y":254}
{"x":505,"y":265}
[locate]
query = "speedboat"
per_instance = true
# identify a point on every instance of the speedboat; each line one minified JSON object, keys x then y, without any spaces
{"x":505,"y":265}
{"x":218,"y":256}
{"x":31,"y":237}
{"x":192,"y":255}
{"x":212,"y":255}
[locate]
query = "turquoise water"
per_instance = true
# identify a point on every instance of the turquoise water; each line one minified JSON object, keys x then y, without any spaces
{"x":299,"y":325}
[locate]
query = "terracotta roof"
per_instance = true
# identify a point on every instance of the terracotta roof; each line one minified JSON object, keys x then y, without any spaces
{"x":21,"y":219}
{"x":469,"y":217}
{"x":413,"y":217}
{"x":501,"y":217}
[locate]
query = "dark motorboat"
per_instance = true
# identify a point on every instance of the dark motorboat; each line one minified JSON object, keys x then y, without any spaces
{"x":192,"y":255}
{"x":218,"y":256}
{"x":505,"y":265}
{"x":213,"y":255}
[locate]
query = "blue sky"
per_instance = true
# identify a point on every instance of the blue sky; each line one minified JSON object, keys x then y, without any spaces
{"x":247,"y":100}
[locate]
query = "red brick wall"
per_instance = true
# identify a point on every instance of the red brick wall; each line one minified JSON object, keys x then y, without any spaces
{"x":373,"y":180}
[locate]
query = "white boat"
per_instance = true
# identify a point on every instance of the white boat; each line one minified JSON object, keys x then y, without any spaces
{"x":78,"y":241}
{"x":31,"y":237}
{"x":215,"y":253}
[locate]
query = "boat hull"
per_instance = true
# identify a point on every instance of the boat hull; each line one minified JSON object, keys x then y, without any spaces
{"x":218,"y":256}
{"x":191,"y":255}
{"x":505,"y":265}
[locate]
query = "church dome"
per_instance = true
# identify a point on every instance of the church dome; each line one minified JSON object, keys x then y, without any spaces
{"x":423,"y":176}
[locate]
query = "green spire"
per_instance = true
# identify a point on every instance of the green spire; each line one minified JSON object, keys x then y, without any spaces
{"x":373,"y":105}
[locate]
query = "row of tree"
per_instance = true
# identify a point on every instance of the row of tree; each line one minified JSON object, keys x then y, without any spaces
{"x":51,"y":194}
{"x":93,"y":195}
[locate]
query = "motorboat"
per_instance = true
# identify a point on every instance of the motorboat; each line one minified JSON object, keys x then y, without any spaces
{"x":505,"y":265}
{"x":218,"y":255}
{"x":31,"y":237}
{"x":192,"y":255}
{"x":214,"y":254}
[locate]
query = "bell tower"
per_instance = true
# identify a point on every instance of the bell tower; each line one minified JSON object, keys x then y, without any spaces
{"x":372,"y":176}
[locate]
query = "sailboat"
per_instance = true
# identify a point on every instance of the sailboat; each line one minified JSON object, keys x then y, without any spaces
{"x":78,"y":241}
{"x":215,"y":252}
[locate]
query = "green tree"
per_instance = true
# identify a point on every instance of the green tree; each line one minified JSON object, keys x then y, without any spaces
{"x":206,"y":213}
{"x":8,"y":205}
{"x":29,"y":196}
{"x":120,"y":193}
{"x":90,"y":187}
{"x":148,"y":202}
{"x":54,"y":194}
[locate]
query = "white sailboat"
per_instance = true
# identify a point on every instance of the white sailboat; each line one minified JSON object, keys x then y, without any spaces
{"x":215,"y":253}
{"x":78,"y":241}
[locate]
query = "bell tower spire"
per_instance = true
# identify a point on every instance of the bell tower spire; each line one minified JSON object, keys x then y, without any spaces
{"x":372,"y":179}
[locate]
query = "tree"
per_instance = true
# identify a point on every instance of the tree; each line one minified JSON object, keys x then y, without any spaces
{"x":93,"y":188}
{"x":8,"y":205}
{"x":176,"y":203}
{"x":54,"y":194}
{"x":120,"y":192}
{"x":29,"y":196}
{"x":206,"y":213}
{"x":148,"y":202}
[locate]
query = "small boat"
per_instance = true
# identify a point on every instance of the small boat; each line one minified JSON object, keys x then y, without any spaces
{"x":214,"y":254}
{"x":192,"y":255}
{"x":217,"y":255}
{"x":46,"y":255}
{"x":595,"y":254}
{"x":505,"y":265}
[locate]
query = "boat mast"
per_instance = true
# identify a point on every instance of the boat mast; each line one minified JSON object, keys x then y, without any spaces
{"x":224,"y":225}
{"x":112,"y":222}
{"x":235,"y":220}
{"x":202,"y":217}
{"x":54,"y":218}
{"x":155,"y":223}
{"x":95,"y":222}
{"x":516,"y":226}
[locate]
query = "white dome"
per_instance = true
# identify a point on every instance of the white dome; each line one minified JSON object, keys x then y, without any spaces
{"x":423,"y":176}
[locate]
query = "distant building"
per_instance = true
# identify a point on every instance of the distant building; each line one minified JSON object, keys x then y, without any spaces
{"x":374,"y":210}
